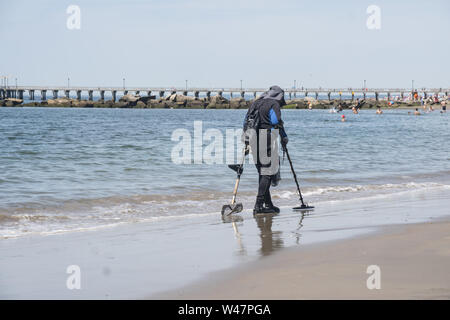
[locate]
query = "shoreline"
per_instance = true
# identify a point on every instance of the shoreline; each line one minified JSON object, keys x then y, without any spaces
{"x":157,"y":259}
{"x":414,"y":260}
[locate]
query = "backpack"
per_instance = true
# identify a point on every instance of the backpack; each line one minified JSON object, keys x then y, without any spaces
{"x":252,"y":119}
{"x":251,"y":123}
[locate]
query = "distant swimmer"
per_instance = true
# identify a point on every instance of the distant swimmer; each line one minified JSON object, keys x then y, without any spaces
{"x":343,"y":118}
{"x":355,"y":111}
{"x":424,"y":104}
{"x":310,"y":105}
{"x":416,"y":112}
{"x":379,"y":111}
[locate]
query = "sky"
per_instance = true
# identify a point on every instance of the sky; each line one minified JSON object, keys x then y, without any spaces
{"x":218,"y":43}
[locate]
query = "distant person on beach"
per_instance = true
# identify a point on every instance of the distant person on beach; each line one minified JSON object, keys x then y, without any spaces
{"x":436,"y":98}
{"x":355,"y":111}
{"x":444,"y":105}
{"x":264,"y":115}
{"x":416,"y":112}
{"x":379,"y":111}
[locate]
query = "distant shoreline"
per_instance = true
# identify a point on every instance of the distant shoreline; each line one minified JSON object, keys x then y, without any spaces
{"x":184,"y":102}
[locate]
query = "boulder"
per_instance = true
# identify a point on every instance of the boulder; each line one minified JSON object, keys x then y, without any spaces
{"x":59,"y":102}
{"x":196,"y":104}
{"x":76,"y":104}
{"x":140,"y":104}
{"x":11,"y":102}
{"x":130,"y":99}
{"x":169,"y":104}
{"x":82,"y":104}
{"x":154,"y":104}
{"x":218,"y":100}
{"x":146,"y":99}
{"x":122,"y":104}
{"x":296,"y":104}
{"x":179,"y":98}
{"x":172,"y":97}
{"x":238,"y":103}
{"x":109,"y":104}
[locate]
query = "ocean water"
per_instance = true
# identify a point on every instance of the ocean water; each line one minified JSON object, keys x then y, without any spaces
{"x":65,"y":170}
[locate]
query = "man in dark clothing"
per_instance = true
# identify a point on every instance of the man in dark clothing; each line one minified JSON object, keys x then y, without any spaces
{"x":268,"y":106}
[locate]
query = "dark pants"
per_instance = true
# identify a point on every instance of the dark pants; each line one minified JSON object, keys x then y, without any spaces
{"x":264,"y":188}
{"x":264,"y":180}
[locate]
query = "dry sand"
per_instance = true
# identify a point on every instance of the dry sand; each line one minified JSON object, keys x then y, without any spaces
{"x":414,"y":261}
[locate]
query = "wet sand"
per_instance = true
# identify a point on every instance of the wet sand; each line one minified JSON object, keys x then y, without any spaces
{"x":289,"y":255}
{"x":414,"y":262}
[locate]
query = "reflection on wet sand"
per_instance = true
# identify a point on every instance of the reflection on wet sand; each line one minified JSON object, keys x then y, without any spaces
{"x":270,"y":240}
{"x":234,"y":219}
{"x":299,"y":226}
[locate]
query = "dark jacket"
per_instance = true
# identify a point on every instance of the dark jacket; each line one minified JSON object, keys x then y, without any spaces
{"x":269,"y":105}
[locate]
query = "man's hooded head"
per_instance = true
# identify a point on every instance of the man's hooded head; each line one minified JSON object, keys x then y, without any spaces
{"x":274,"y":93}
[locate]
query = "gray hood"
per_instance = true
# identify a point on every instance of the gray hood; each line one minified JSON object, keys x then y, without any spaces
{"x":274,"y":93}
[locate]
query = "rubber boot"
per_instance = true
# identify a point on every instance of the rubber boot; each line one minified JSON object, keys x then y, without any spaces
{"x":272,"y":207}
{"x":268,"y":203}
{"x":259,"y":208}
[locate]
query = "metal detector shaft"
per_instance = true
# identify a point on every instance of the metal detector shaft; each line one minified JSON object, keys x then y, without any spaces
{"x":293,"y":172}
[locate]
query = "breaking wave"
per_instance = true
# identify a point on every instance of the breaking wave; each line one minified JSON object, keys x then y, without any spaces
{"x":93,"y":214}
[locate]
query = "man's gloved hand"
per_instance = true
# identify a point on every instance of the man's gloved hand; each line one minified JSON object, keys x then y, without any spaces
{"x":284,"y":142}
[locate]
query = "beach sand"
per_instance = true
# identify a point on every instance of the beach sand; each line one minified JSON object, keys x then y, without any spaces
{"x":414,"y":263}
{"x":318,"y":255}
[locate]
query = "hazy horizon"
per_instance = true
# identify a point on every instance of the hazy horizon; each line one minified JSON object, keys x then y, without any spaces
{"x":215,"y":44}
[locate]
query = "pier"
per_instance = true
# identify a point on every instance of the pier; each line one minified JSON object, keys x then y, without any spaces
{"x":291,"y":93}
